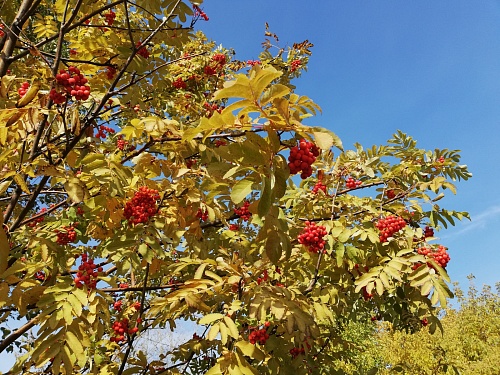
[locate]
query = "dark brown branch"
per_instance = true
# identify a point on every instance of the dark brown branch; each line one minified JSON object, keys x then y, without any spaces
{"x":17,"y":333}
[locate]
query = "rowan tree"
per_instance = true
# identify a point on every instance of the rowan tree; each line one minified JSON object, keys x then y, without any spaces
{"x":150,"y":178}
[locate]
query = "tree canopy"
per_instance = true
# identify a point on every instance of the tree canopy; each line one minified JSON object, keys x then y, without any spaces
{"x":150,"y":178}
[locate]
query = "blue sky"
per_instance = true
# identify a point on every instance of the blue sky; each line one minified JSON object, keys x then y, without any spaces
{"x":428,"y":68}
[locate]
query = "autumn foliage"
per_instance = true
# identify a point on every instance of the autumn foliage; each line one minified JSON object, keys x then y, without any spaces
{"x":149,"y":179}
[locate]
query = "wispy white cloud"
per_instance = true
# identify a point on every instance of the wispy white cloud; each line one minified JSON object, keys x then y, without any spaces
{"x":478,"y":221}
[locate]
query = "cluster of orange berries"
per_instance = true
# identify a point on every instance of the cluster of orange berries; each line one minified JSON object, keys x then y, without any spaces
{"x":390,"y":194}
{"x":101,"y":132}
{"x":73,"y":84}
{"x":23,"y":89}
{"x":110,"y":17}
{"x":319,"y":186}
{"x":179,"y":83}
{"x":302,"y":157}
{"x":220,"y":142}
{"x":295,"y":352}
{"x":243,"y":211}
{"x":440,"y":255}
{"x":428,"y":232}
{"x":264,"y":278}
{"x":202,"y":214}
{"x":351,"y":183}
{"x":142,"y":206}
{"x":294,"y":65}
{"x":66,"y":236}
{"x":123,"y":145}
{"x":38,"y":220}
{"x":110,"y":72}
{"x":199,"y":13}
{"x":211,"y":108}
{"x":259,"y":335}
{"x":312,"y":237}
{"x":389,"y":225}
{"x":120,"y":328}
{"x":87,"y":273}
{"x":142,"y":51}
{"x":254,"y":62}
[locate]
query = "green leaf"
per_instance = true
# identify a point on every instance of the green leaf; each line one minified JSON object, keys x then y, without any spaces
{"x":266,"y":197}
{"x":74,"y":343}
{"x":240,"y":190}
{"x":273,"y":247}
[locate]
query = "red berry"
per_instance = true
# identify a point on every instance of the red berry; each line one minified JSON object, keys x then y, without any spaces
{"x":312,"y":237}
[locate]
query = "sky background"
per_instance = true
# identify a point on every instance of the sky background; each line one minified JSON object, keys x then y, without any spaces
{"x":429,"y":68}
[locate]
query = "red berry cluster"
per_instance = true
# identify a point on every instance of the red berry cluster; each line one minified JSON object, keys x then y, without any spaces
{"x":258,"y":336}
{"x":68,"y":235}
{"x":179,"y":83}
{"x":390,"y":194}
{"x":209,"y":70}
{"x":110,"y":72}
{"x":202,"y":214}
{"x":319,"y":186}
{"x":295,"y":64}
{"x":440,"y":255}
{"x":136,"y":305}
{"x":428,"y":232}
{"x":73,"y":83}
{"x":264,"y":278}
{"x":199,"y":13}
{"x":2,"y":33}
{"x":123,"y":285}
{"x":40,"y":276}
{"x":121,"y":144}
{"x":118,"y":305}
{"x":120,"y":328}
{"x":142,"y":206}
{"x":312,"y":237}
{"x":23,"y":89}
{"x":38,"y":220}
{"x":424,"y":322}
{"x":351,"y":183}
{"x":219,"y":59}
{"x":441,"y":159}
{"x":302,"y":157}
{"x":191,"y":162}
{"x":295,"y":352}
{"x":389,"y":225}
{"x":110,"y":17}
{"x":243,"y":211}
{"x":211,"y":108}
{"x":254,"y":62}
{"x":73,"y":52}
{"x":220,"y":142}
{"x":87,"y":273}
{"x":142,"y":51}
{"x":101,"y":133}
{"x":234,"y":227}
{"x":367,"y":296}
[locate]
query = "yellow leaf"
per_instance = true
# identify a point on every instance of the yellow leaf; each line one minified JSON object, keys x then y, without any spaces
{"x":22,"y":184}
{"x":233,"y":330}
{"x":30,"y":95}
{"x":250,"y":350}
